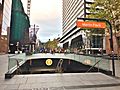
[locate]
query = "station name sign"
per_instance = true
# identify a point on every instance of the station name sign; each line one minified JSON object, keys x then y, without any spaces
{"x":86,"y":24}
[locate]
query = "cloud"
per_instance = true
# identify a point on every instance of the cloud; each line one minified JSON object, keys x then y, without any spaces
{"x":49,"y":29}
{"x":47,"y":15}
{"x":45,"y":9}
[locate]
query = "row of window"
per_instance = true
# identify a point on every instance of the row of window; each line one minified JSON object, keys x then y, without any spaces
{"x":71,"y":13}
{"x":95,"y":41}
{"x":6,"y":16}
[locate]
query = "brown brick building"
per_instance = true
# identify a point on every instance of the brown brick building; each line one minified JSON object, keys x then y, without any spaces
{"x":116,"y":44}
{"x":3,"y":44}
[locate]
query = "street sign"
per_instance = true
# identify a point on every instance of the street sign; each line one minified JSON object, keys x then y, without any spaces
{"x":86,"y":24}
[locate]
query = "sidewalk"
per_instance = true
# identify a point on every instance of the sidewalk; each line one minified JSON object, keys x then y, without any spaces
{"x":65,"y":81}
{"x":3,"y":64}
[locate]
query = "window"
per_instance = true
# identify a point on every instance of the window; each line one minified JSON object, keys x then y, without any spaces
{"x":96,"y":42}
{"x":118,"y":41}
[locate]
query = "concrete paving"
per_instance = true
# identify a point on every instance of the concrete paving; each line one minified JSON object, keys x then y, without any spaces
{"x":3,"y":64}
{"x":58,"y":81}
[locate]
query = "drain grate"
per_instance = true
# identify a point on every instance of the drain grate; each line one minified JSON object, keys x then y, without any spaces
{"x":40,"y":89}
{"x":56,"y":88}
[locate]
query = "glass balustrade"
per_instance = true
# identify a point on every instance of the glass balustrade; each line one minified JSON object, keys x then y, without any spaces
{"x":15,"y":61}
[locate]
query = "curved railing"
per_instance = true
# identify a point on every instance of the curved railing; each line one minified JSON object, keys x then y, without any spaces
{"x":17,"y":60}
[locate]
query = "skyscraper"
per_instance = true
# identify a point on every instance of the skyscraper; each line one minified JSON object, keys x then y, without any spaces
{"x":5,"y":15}
{"x":72,"y":36}
{"x":0,"y":16}
{"x":28,"y":7}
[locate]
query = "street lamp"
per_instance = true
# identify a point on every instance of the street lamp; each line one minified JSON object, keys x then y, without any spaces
{"x":33,"y":31}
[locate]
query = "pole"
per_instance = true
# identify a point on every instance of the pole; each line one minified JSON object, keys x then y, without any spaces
{"x":111,"y":45}
{"x":34,"y":39}
{"x":34,"y":29}
{"x":111,"y":39}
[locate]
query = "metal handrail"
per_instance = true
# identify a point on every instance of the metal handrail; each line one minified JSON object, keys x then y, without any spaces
{"x":18,"y":67}
{"x":93,"y":66}
{"x":59,"y":65}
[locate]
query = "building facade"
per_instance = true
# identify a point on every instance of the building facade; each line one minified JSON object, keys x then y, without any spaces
{"x":72,"y":36}
{"x":5,"y":9}
{"x":19,"y":27}
{"x":1,"y":14}
{"x":6,"y":16}
{"x":28,"y":7}
{"x":71,"y":10}
{"x":116,"y":44}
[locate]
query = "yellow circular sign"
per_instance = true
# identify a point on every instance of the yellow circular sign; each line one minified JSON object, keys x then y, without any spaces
{"x":49,"y":62}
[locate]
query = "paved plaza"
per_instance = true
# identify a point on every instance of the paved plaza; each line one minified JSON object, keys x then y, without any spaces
{"x":58,"y":81}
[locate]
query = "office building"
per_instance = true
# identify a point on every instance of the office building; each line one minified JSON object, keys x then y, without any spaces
{"x":0,"y":1}
{"x":6,"y":16}
{"x":72,"y":36}
{"x":71,"y":10}
{"x":5,"y":11}
{"x":1,"y":13}
{"x":28,"y":7}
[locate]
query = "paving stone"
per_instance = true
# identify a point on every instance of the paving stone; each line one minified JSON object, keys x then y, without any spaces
{"x":12,"y":87}
{"x":65,"y":81}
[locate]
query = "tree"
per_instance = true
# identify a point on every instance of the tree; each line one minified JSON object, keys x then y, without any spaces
{"x":109,"y":10}
{"x":52,"y":44}
{"x":106,"y":9}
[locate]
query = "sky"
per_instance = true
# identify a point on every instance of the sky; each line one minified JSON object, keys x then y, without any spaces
{"x":47,"y":14}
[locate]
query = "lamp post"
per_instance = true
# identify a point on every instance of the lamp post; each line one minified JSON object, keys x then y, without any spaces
{"x":33,"y":37}
{"x":88,"y":40}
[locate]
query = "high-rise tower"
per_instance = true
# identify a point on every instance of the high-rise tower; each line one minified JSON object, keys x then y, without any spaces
{"x":28,"y":7}
{"x":74,"y":37}
{"x":5,"y":17}
{"x":72,"y":9}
